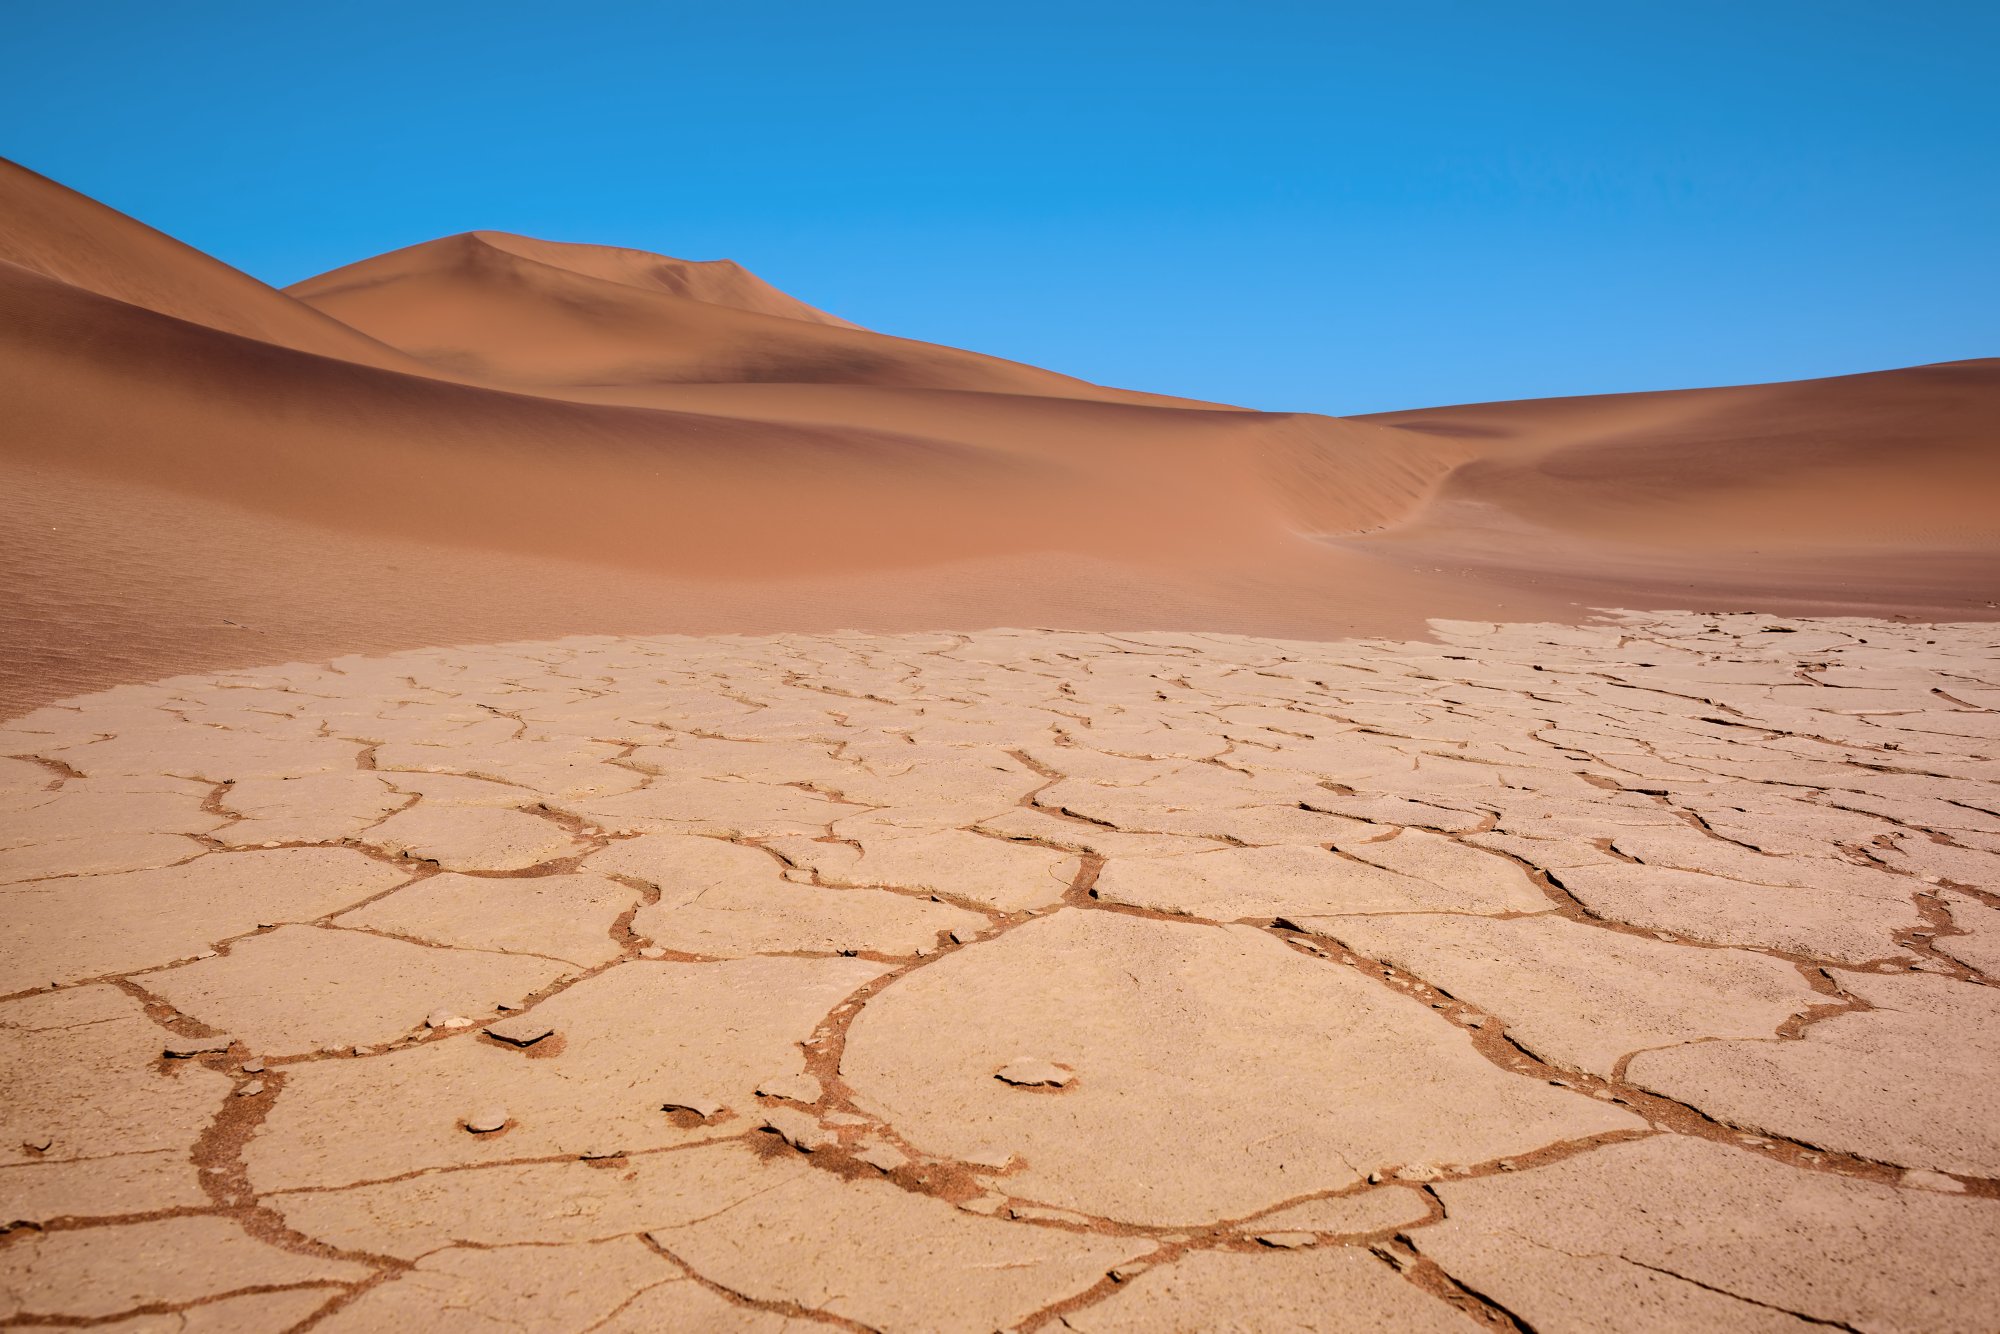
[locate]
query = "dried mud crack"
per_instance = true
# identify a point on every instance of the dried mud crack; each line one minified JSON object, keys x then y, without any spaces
{"x":1638,"y":975}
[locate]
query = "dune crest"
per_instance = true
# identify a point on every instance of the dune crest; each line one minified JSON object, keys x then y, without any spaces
{"x":719,"y":282}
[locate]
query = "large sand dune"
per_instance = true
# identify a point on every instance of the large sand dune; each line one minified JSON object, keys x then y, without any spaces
{"x":572,"y":438}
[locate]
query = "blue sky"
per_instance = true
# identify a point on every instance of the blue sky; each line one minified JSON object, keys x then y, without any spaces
{"x":1328,"y":207}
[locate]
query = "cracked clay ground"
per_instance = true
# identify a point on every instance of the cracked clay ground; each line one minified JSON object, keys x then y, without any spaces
{"x":1638,"y":976}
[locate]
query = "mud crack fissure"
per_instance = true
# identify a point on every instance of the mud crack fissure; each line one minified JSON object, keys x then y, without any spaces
{"x":1014,"y":979}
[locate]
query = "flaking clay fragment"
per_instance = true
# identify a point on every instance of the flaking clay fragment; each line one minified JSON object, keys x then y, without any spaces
{"x":486,"y":1120}
{"x":802,"y":1088}
{"x":253,"y":1066}
{"x":1034,"y":1072}
{"x":705,"y":1108}
{"x":798,"y":1129}
{"x":251,"y":1089}
{"x":1286,"y":1241}
{"x":883,"y":1157}
{"x":525,"y":1031}
{"x":446,"y":1019}
{"x":180,"y":1049}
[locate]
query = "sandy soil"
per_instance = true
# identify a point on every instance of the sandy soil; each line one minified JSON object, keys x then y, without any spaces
{"x":1632,"y":977}
{"x":1325,"y":920}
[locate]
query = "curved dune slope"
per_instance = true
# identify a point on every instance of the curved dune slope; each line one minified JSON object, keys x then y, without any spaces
{"x":1894,"y":458}
{"x":115,"y":389}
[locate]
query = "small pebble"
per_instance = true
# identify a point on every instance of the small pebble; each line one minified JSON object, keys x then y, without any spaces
{"x":652,"y":952}
{"x":486,"y":1120}
{"x":446,"y":1019}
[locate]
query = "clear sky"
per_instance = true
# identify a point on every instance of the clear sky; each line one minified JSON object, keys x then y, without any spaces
{"x":1332,"y":206}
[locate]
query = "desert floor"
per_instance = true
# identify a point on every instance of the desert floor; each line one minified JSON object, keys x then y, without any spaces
{"x":1630,"y":976}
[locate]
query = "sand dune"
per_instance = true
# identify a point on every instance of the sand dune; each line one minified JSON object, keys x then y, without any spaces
{"x":552,"y":413}
{"x":545,"y":316}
